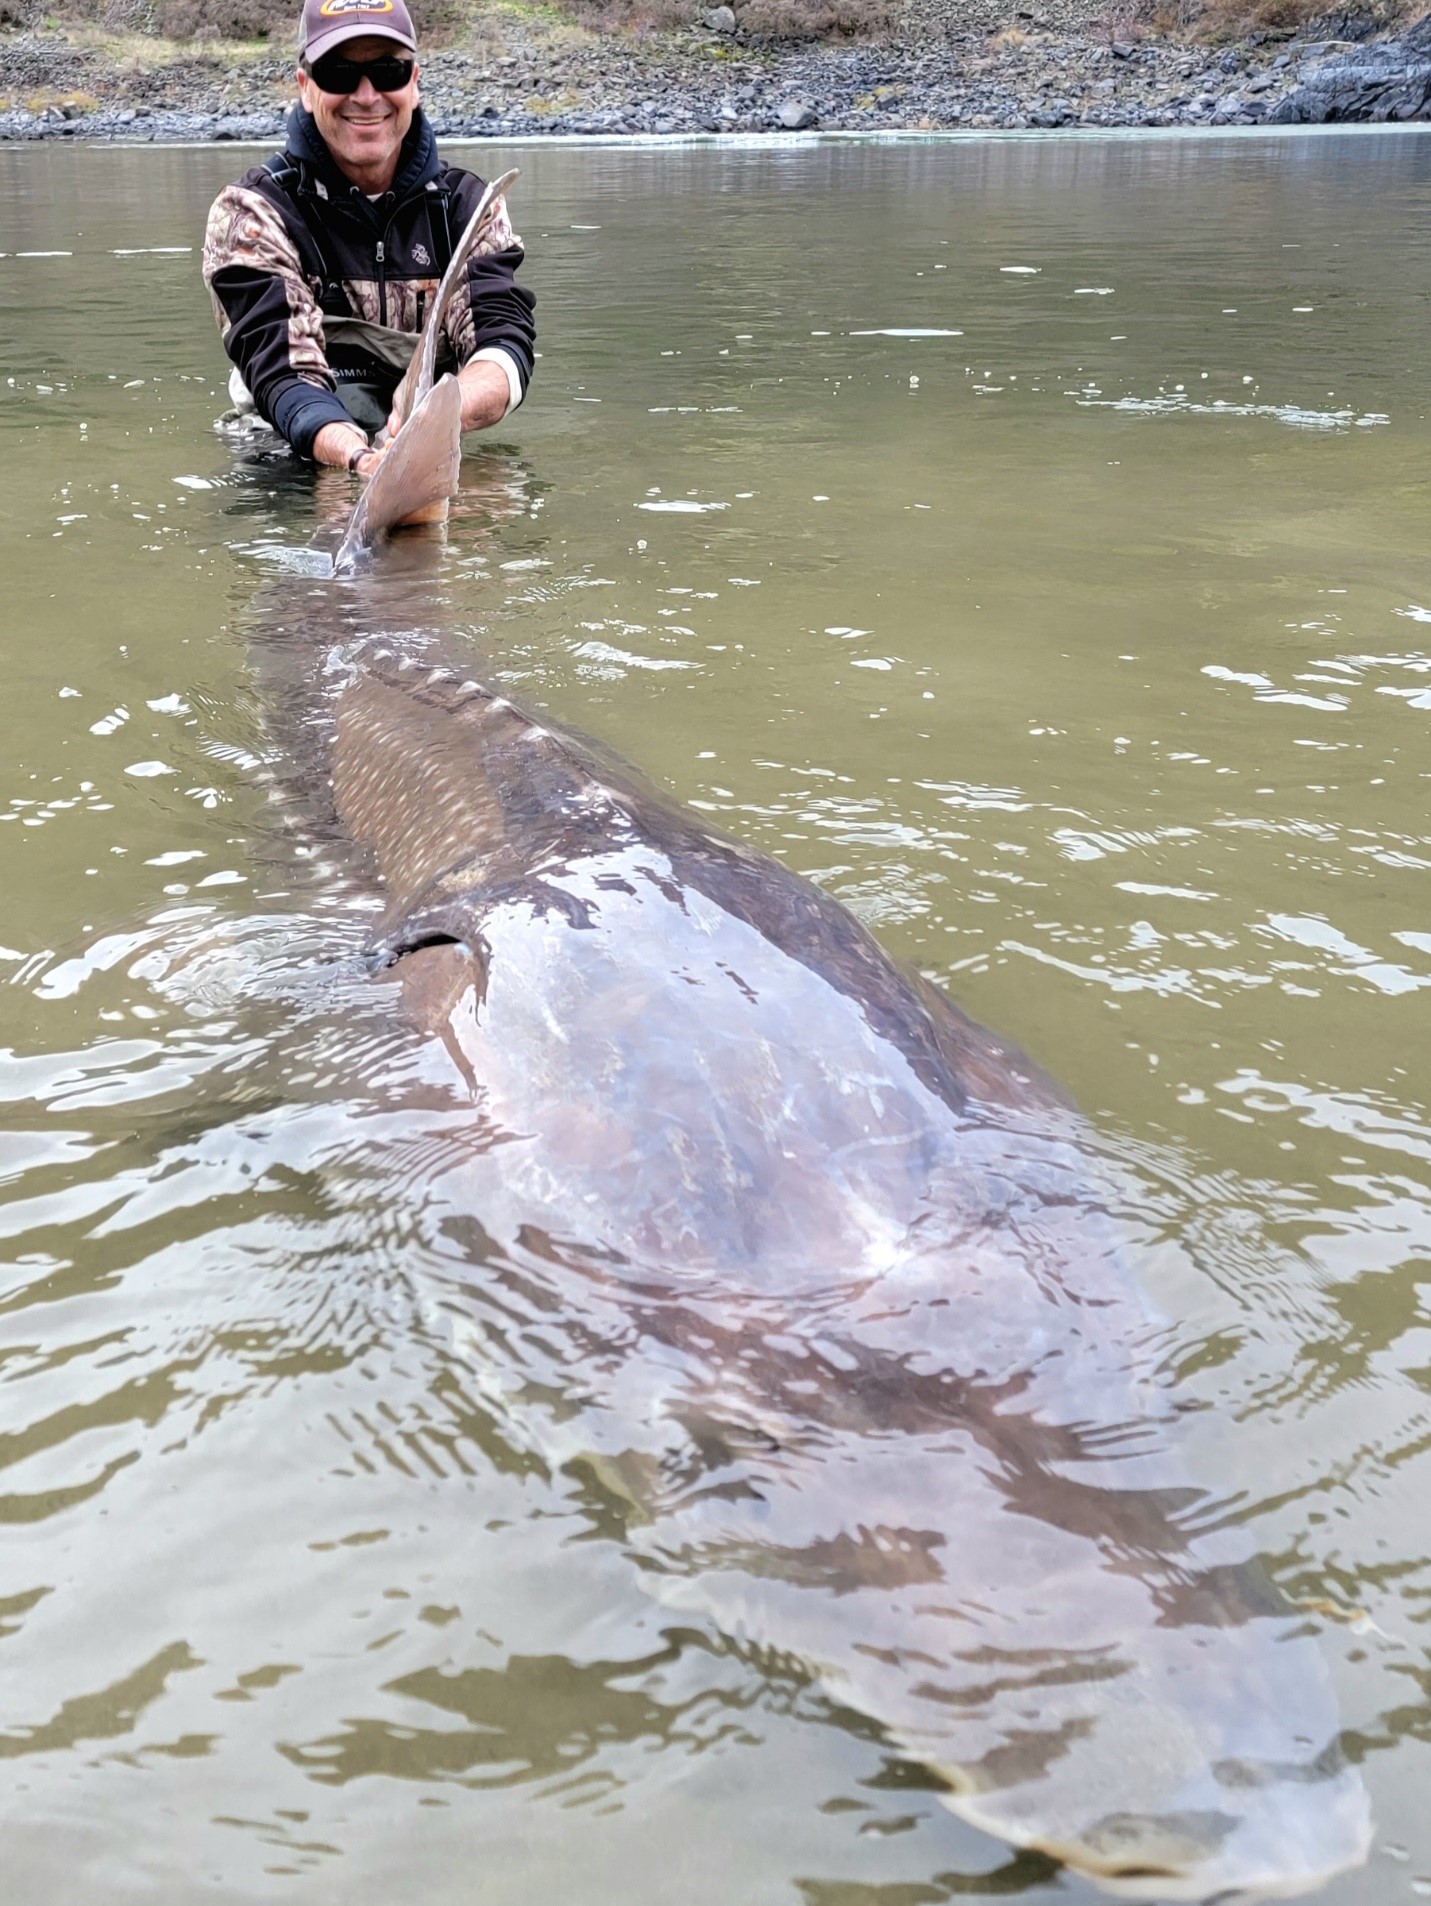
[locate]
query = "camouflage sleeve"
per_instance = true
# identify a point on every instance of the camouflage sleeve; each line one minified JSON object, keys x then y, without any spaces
{"x":490,"y":310}
{"x":269,"y":319}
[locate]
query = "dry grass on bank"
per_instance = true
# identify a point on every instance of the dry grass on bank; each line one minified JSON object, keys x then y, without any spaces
{"x":1212,"y":19}
{"x":181,"y":20}
{"x":818,"y":19}
{"x":1235,"y":19}
{"x":168,"y":27}
{"x":764,"y":19}
{"x":1226,"y":21}
{"x":233,"y":21}
{"x":448,"y":22}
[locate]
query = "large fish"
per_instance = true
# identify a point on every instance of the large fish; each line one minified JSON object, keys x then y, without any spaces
{"x":814,"y":1283}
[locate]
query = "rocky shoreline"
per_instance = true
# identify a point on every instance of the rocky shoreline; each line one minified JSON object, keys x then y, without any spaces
{"x":709,"y":80}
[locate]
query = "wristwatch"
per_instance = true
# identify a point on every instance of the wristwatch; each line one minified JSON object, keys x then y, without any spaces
{"x":357,"y":457}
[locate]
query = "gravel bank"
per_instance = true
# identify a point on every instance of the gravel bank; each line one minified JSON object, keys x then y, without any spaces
{"x":1047,"y":71}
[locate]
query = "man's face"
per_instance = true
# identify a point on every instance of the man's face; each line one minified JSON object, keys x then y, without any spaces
{"x":363,"y":130}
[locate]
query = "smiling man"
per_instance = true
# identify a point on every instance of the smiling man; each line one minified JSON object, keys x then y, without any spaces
{"x":321,"y":262}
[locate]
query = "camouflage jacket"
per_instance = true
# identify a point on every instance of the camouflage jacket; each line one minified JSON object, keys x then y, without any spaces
{"x":294,"y":240}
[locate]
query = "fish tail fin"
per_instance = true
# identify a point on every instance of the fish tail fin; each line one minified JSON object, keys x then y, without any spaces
{"x":418,"y":470}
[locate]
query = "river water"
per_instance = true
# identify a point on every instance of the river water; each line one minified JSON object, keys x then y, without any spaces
{"x":1024,"y":538}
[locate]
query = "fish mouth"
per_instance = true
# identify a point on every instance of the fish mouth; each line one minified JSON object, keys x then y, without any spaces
{"x":1288,"y":1847}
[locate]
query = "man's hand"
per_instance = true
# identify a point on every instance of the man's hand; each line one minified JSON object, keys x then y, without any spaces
{"x":395,"y":419}
{"x":486,"y":395}
{"x":335,"y":444}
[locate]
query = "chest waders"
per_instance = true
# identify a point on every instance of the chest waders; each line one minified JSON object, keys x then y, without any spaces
{"x":365,"y":390}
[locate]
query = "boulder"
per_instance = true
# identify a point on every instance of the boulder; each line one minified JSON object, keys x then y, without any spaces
{"x":1360,"y":88}
{"x":797,"y":115}
{"x":719,"y":20}
{"x":1386,"y":80}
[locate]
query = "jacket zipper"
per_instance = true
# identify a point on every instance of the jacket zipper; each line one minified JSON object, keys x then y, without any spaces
{"x":381,"y":254}
{"x":380,"y":258}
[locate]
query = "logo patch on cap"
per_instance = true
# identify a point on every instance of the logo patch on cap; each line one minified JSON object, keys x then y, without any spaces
{"x":335,"y":9}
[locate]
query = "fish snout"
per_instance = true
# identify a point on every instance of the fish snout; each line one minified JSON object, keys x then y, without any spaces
{"x":1162,"y":1800}
{"x":1278,"y":1838}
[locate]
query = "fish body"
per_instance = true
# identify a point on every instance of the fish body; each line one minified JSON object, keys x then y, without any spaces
{"x":839,"y":1319}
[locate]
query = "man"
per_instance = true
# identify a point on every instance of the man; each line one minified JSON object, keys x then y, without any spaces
{"x":321,"y":263}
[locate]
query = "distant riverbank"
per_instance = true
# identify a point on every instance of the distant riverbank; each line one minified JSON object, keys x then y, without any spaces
{"x":952,"y":71}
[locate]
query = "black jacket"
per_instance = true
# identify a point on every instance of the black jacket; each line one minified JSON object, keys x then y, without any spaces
{"x":295,"y":240}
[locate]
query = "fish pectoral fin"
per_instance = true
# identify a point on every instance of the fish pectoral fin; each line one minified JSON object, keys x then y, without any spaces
{"x":435,"y":976}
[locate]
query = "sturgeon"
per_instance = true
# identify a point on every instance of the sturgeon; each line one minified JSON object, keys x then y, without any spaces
{"x":816,"y":1282}
{"x":815,"y":1286}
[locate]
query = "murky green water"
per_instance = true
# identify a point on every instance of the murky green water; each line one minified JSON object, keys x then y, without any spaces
{"x":1028,"y":540}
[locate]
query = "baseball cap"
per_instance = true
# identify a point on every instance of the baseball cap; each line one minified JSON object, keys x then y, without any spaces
{"x":325,"y":24}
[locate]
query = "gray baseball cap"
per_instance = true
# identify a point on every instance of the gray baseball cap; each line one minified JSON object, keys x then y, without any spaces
{"x":325,"y":24}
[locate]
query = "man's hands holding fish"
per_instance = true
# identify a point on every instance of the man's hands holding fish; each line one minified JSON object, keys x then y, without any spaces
{"x":486,"y":396}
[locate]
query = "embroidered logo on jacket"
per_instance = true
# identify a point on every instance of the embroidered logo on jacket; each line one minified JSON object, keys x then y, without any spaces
{"x":419,"y":255}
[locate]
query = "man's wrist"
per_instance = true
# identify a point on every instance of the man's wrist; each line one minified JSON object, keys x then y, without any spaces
{"x":340,"y":445}
{"x":504,"y":361}
{"x":486,"y":392}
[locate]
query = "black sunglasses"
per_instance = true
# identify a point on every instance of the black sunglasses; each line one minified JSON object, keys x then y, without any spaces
{"x":333,"y":74}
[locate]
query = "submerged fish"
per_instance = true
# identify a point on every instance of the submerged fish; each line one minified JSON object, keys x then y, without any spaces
{"x":814,"y":1281}
{"x":814,"y":1278}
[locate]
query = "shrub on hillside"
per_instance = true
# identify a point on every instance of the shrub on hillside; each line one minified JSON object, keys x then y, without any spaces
{"x":817,"y":19}
{"x":761,"y":19}
{"x":272,"y":20}
{"x":225,"y":19}
{"x":1234,"y":19}
{"x":1221,"y":20}
{"x":635,"y":16}
{"x":441,"y":21}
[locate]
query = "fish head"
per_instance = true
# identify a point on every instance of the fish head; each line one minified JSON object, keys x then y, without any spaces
{"x":1212,"y":1773}
{"x":1046,"y":1613}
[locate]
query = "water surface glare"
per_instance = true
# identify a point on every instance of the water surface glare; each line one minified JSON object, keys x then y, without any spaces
{"x":1025,"y":539}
